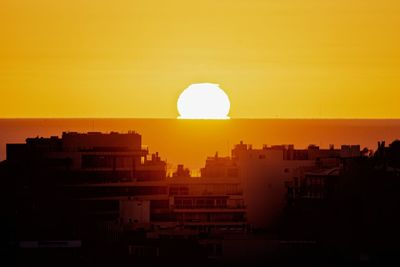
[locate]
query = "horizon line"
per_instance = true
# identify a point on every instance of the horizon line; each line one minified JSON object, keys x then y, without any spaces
{"x":200,"y":119}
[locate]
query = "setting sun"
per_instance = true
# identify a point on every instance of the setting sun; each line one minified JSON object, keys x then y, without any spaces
{"x":203,"y":101}
{"x":209,"y":133}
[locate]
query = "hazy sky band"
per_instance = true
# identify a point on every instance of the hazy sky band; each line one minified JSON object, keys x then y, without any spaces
{"x":285,"y":59}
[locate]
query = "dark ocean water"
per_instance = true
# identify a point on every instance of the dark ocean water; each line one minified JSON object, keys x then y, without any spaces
{"x":191,"y":141}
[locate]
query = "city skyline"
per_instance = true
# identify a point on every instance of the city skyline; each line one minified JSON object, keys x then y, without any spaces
{"x":190,"y":141}
{"x":82,"y":193}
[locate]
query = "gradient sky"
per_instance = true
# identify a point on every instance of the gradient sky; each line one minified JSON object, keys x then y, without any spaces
{"x":125,"y":58}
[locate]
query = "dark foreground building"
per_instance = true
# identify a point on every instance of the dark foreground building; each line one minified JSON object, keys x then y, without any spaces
{"x":98,"y":199}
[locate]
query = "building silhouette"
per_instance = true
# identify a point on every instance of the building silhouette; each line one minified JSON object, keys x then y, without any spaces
{"x":105,"y":193}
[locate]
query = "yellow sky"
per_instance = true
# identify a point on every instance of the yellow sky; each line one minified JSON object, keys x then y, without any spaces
{"x":274,"y":58}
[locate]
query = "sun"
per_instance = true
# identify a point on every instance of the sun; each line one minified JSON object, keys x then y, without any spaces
{"x":203,"y":101}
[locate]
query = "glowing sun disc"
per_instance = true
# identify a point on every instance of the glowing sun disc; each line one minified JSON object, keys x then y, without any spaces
{"x":203,"y":101}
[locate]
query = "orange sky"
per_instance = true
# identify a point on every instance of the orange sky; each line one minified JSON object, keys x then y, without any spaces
{"x":124,"y":58}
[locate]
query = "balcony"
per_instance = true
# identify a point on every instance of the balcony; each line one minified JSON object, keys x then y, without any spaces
{"x":207,"y":209}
